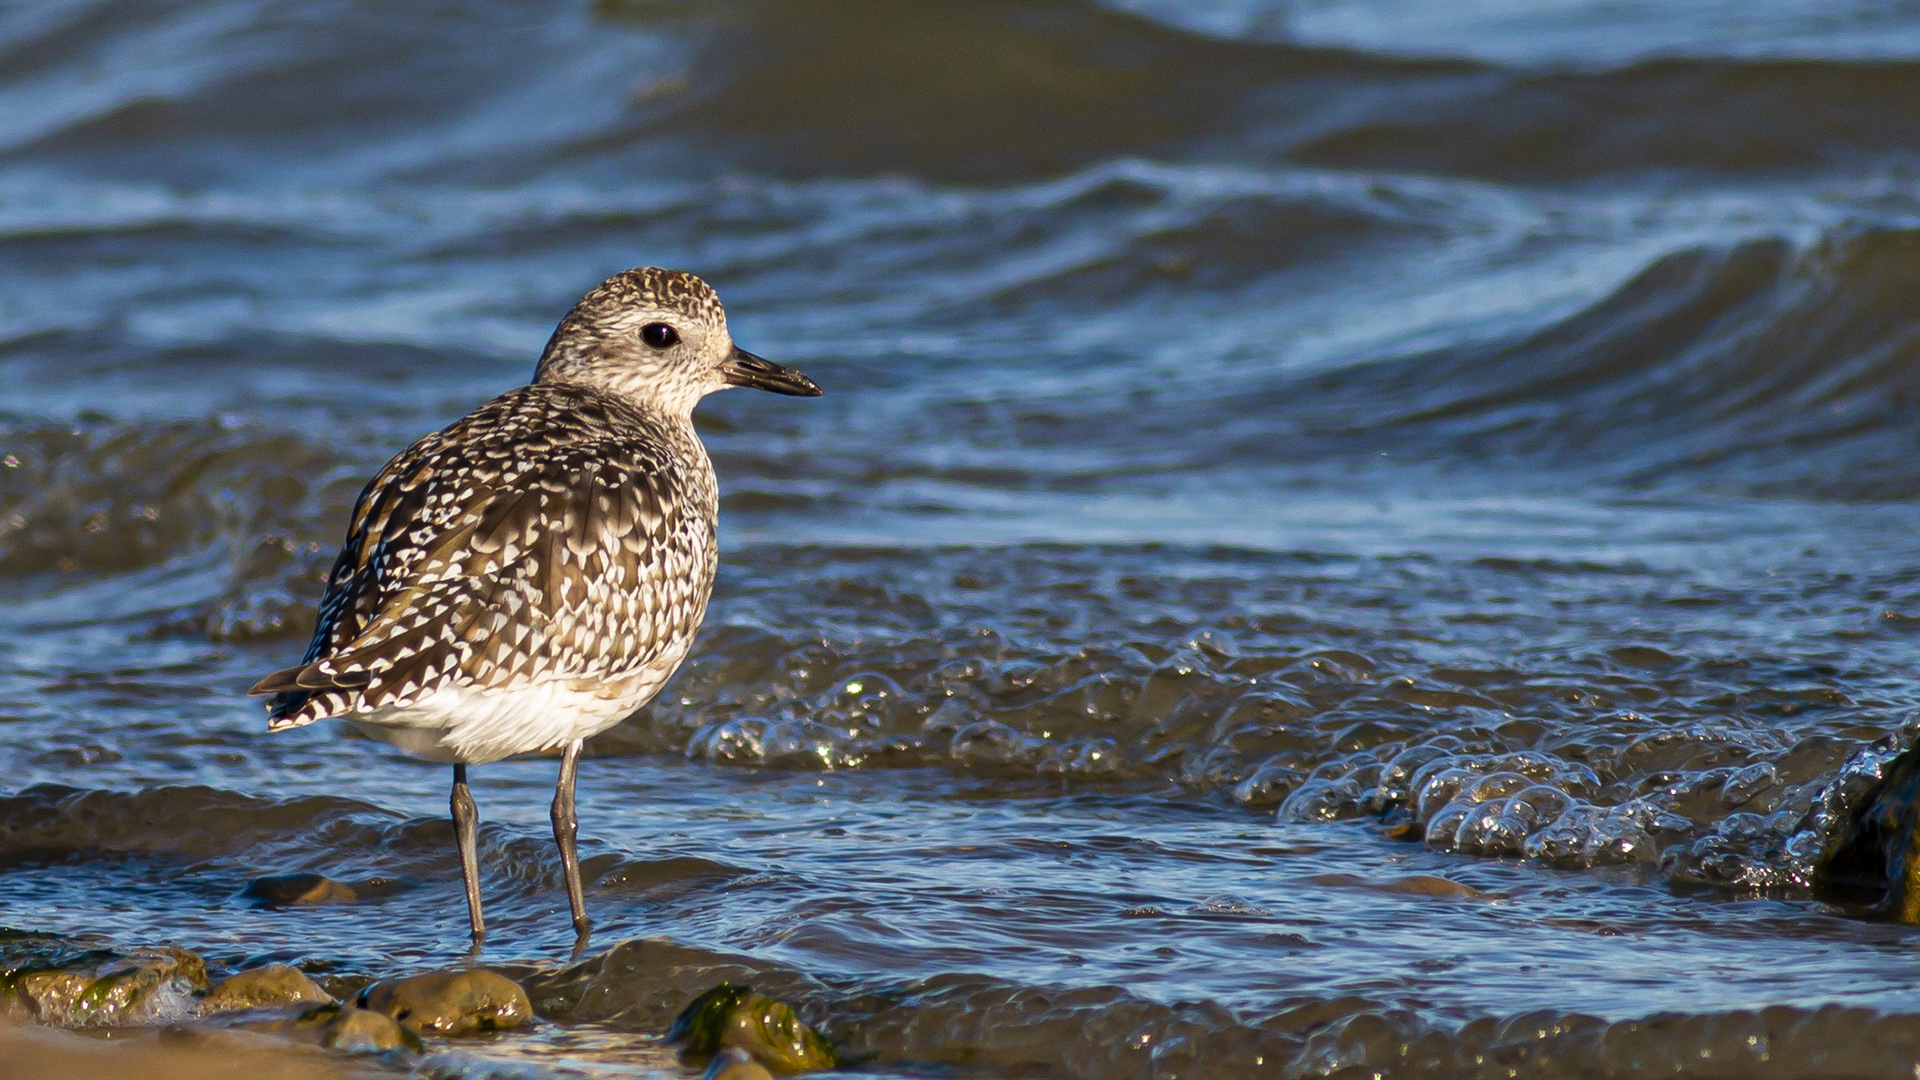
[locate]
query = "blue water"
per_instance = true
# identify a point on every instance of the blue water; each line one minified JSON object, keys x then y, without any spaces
{"x":1225,"y":403}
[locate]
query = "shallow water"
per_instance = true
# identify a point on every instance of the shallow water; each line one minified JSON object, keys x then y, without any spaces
{"x":1255,"y":431}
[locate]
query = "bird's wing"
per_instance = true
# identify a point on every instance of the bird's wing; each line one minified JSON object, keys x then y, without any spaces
{"x":485,"y":564}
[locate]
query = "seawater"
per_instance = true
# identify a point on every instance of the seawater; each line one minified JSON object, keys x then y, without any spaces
{"x":1342,"y":539}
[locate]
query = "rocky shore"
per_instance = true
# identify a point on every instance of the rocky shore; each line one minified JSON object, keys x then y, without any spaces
{"x":75,"y":1007}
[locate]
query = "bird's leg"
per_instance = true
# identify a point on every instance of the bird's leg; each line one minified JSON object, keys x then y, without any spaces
{"x":466,"y":821}
{"x":566,"y":830}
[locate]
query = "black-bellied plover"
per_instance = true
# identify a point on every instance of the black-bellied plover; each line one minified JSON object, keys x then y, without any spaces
{"x":531,"y":574}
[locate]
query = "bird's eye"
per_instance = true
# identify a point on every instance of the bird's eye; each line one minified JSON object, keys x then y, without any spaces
{"x":659,"y":335}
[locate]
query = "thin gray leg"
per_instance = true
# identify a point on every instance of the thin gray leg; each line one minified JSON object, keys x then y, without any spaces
{"x":566,"y":830}
{"x":466,"y":822}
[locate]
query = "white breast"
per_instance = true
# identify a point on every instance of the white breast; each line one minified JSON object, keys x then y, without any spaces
{"x":471,"y":726}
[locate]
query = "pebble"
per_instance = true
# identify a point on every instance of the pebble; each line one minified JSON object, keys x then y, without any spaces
{"x":336,"y":1026}
{"x":730,"y":1017}
{"x":264,"y":987}
{"x":451,"y":1002}
{"x":363,"y":1031}
{"x":298,"y":890}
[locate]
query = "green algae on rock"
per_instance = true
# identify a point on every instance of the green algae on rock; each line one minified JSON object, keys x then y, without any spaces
{"x":451,"y":1002}
{"x":734,"y":1017}
{"x":71,"y":983}
{"x":264,"y":987}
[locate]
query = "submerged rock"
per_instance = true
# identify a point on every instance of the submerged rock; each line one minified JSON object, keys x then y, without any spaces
{"x":339,"y":1026}
{"x":262,"y":988}
{"x":451,"y":1002}
{"x":68,"y":983}
{"x":730,"y":1017}
{"x":363,"y":1031}
{"x":1877,"y":856}
{"x":298,"y":890}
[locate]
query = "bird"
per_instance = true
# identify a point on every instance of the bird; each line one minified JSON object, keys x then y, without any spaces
{"x":531,"y":574}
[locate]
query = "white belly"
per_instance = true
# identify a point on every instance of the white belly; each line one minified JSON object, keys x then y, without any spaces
{"x":472,"y":727}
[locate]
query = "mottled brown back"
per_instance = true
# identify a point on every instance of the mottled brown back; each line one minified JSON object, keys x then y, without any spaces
{"x":556,"y":532}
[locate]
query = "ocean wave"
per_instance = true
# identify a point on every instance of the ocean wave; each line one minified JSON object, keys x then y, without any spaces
{"x":994,"y":92}
{"x":1759,"y":367}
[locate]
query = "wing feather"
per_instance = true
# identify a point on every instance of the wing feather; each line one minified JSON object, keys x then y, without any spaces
{"x":472,"y":559}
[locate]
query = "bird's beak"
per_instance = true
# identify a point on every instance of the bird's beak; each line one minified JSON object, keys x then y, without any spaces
{"x":745,"y":369}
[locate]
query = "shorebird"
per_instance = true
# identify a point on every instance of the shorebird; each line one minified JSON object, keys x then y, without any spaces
{"x":529,"y":575}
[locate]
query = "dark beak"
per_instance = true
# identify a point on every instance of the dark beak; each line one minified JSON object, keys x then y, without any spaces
{"x":745,"y":369}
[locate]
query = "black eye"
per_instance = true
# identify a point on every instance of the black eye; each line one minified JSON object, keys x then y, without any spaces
{"x":660,"y":335}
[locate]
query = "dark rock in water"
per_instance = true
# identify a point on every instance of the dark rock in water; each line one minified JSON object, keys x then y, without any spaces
{"x":451,"y":1002}
{"x":69,"y":983}
{"x":1875,"y":859}
{"x":642,"y":984}
{"x":338,"y":1026}
{"x":736,"y":1064}
{"x":264,"y":987}
{"x":298,"y":890}
{"x":734,"y":1017}
{"x":364,"y":1031}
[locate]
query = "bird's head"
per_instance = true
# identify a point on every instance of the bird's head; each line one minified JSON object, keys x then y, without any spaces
{"x":658,"y":338}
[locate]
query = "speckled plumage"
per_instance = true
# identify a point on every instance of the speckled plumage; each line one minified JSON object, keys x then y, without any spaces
{"x":556,"y":535}
{"x":527,"y":576}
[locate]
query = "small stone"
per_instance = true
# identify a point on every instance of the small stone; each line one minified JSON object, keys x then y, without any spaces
{"x":336,"y":1026}
{"x":451,"y":1002}
{"x":143,"y":986}
{"x":298,"y":890}
{"x":264,"y":987}
{"x":734,"y":1063}
{"x":734,"y":1017}
{"x":363,"y":1031}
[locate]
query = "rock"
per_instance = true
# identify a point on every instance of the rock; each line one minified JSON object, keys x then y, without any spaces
{"x":734,"y":1063}
{"x":734,"y":1017}
{"x":264,"y":987}
{"x":298,"y":890}
{"x":451,"y":1002}
{"x":68,"y":983}
{"x":339,"y":1027}
{"x":363,"y":1031}
{"x":1875,"y":859}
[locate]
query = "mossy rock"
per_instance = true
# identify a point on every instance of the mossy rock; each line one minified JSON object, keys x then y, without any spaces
{"x":71,"y":983}
{"x":451,"y":1002}
{"x":734,"y":1017}
{"x":262,"y":988}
